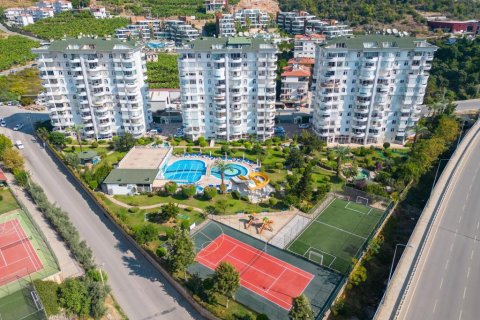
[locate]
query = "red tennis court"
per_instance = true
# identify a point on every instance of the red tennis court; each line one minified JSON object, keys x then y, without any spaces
{"x":17,"y":255}
{"x":260,"y":272}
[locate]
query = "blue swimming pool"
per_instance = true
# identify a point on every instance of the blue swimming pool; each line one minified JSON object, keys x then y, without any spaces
{"x":185,"y":171}
{"x":235,"y":170}
{"x":156,"y":45}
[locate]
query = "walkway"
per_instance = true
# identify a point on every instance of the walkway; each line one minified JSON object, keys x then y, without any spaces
{"x":153,"y":206}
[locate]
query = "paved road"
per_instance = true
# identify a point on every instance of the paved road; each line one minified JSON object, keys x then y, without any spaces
{"x":448,"y":286}
{"x":138,"y":287}
{"x":5,"y":30}
{"x":16,"y":69}
{"x":468,"y":105}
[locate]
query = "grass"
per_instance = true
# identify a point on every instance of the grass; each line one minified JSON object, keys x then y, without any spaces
{"x":25,"y":82}
{"x":8,"y":203}
{"x":337,"y":233}
{"x":19,"y":305}
{"x":234,"y":205}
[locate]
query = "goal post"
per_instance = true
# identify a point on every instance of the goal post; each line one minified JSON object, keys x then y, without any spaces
{"x":315,"y":257}
{"x":362,"y":200}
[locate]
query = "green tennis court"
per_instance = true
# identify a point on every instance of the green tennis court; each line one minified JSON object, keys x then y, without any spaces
{"x":337,"y":234}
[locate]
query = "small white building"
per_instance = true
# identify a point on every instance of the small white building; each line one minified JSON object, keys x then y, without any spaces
{"x":305,"y":45}
{"x":164,"y":99}
{"x":99,"y":12}
{"x":215,"y":5}
{"x":295,"y":81}
{"x":23,"y":19}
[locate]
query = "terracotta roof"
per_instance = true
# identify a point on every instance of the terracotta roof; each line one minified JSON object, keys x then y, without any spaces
{"x":310,"y":36}
{"x":2,"y":176}
{"x":302,"y":61}
{"x":296,"y":73}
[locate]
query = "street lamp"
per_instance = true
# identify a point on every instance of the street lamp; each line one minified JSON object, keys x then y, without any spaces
{"x":436,"y":173}
{"x":391,"y":267}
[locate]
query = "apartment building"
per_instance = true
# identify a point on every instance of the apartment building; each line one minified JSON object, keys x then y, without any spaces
{"x":252,"y":18}
{"x":227,"y":87}
{"x":98,"y":84}
{"x":23,"y":19}
{"x":295,"y":82}
{"x":225,"y":23}
{"x":57,"y":5}
{"x":215,"y":5}
{"x":304,"y":45}
{"x":43,"y":9}
{"x":369,"y":89}
{"x":329,"y":28}
{"x":294,"y":22}
{"x":99,"y":12}
{"x":179,"y":31}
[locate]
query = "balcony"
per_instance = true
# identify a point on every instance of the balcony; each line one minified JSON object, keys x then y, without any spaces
{"x":361,"y":109}
{"x":367,"y":74}
{"x":359,"y":125}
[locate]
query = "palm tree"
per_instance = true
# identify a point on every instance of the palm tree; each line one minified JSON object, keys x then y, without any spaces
{"x":222,"y":166}
{"x":341,"y":152}
{"x":77,"y":129}
{"x":419,"y":130}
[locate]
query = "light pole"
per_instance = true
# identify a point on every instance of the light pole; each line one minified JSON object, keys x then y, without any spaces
{"x":101,"y":273}
{"x":436,"y":173}
{"x":391,"y":267}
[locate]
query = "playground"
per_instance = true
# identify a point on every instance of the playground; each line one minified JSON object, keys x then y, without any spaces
{"x":270,"y":277}
{"x":338,"y":233}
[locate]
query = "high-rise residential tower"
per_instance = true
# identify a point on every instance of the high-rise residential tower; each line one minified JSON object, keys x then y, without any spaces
{"x":369,"y":89}
{"x":227,"y":87}
{"x":97,"y":84}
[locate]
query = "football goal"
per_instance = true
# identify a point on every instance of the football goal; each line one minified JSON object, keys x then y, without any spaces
{"x":362,"y":200}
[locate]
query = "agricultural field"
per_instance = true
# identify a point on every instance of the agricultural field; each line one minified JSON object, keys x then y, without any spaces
{"x":164,"y":72}
{"x":25,"y":82}
{"x":15,"y":51}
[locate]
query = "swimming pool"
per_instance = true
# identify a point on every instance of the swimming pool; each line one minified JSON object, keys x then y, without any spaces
{"x":235,"y":170}
{"x":156,"y":45}
{"x":185,"y":171}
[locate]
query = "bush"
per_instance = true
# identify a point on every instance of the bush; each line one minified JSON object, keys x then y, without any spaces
{"x":48,"y":293}
{"x":209,"y":193}
{"x":133,"y":209}
{"x":262,"y":316}
{"x":146,"y":233}
{"x":189,"y":209}
{"x":161,"y":252}
{"x":94,"y":144}
{"x":279,"y":165}
{"x":273,"y":202}
{"x":171,"y":188}
{"x":170,"y":233}
{"x":185,"y":224}
{"x":244,"y":198}
{"x":236,"y":194}
{"x":189,"y":190}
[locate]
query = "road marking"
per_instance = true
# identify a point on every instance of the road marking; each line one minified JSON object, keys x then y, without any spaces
{"x":460,"y":315}
{"x":446,"y":264}
{"x":471,"y":255}
{"x":464,"y":292}
{"x":459,"y":219}
{"x":435,"y":306}
{"x":468,"y":273}
{"x":451,"y":247}
{"x":478,"y":224}
{"x":464,"y":206}
{"x":441,"y":283}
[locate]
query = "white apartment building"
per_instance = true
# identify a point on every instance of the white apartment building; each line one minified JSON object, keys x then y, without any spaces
{"x":294,"y":22}
{"x":252,"y":18}
{"x":329,"y":28}
{"x":57,"y":5}
{"x":225,"y":23}
{"x":99,"y":12}
{"x":305,"y":45}
{"x":369,"y":89}
{"x":227,"y":88}
{"x":23,"y":19}
{"x":295,"y":81}
{"x":215,"y":5}
{"x":96,"y":83}
{"x":179,"y":31}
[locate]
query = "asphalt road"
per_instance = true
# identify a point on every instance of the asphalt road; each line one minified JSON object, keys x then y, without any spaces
{"x":139,"y":289}
{"x":448,"y":285}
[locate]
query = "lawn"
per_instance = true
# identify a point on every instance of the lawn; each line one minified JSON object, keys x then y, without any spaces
{"x":337,"y":234}
{"x":8,"y":202}
{"x":233,"y":207}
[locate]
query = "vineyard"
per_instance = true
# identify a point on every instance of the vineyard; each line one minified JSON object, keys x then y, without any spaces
{"x":72,"y":24}
{"x":25,"y":82}
{"x":16,"y":50}
{"x":164,"y":72}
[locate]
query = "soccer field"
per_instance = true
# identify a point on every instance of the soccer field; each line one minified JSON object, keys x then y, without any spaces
{"x":337,"y":234}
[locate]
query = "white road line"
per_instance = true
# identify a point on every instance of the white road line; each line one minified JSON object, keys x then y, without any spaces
{"x":468,"y":273}
{"x":460,"y":219}
{"x":435,"y":306}
{"x":464,"y":292}
{"x":478,"y":225}
{"x":441,"y":283}
{"x":460,"y":315}
{"x":471,"y":255}
{"x":451,"y":247}
{"x":340,"y":229}
{"x":446,"y":264}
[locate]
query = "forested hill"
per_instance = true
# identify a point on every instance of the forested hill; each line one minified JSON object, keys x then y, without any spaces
{"x":368,"y":12}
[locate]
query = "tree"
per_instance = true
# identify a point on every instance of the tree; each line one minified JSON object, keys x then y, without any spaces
{"x":222,"y":166}
{"x":295,"y":159}
{"x":12,"y":160}
{"x":386,"y":145}
{"x":180,"y":251}
{"x":5,"y":144}
{"x":226,"y":280}
{"x":358,"y":274}
{"x":189,"y":190}
{"x":169,"y":211}
{"x":209,"y":193}
{"x":222,"y":205}
{"x":304,"y":187}
{"x":146,"y":233}
{"x":419,"y":131}
{"x":301,"y":309}
{"x":57,"y":138}
{"x":74,"y":298}
{"x":341,"y":152}
{"x":72,"y":159}
{"x":78,"y":130}
{"x":171,"y":188}
{"x":21,"y":177}
{"x":124,"y":142}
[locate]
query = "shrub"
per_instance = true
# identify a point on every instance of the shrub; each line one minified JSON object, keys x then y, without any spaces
{"x":146,"y":233}
{"x":94,"y":144}
{"x":189,"y":209}
{"x":189,"y":190}
{"x":169,"y":233}
{"x":273,"y":202}
{"x":48,"y":292}
{"x":161,"y":252}
{"x":386,"y":145}
{"x":279,"y":165}
{"x":133,"y":209}
{"x":185,"y":224}
{"x":244,"y":198}
{"x":262,"y":316}
{"x":236,"y":194}
{"x":209,"y":193}
{"x":171,"y":188}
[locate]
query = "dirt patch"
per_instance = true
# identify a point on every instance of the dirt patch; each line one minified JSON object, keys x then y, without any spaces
{"x":271,"y":6}
{"x":16,"y":3}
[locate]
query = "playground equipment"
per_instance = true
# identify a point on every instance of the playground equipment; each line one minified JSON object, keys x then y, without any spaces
{"x":266,"y":225}
{"x":260,"y":180}
{"x":251,"y":220}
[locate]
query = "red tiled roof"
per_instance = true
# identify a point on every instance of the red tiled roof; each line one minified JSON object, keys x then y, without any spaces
{"x":296,"y":73}
{"x":3,"y":178}
{"x":302,"y":61}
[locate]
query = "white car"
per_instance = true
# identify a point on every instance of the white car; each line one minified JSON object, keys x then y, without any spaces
{"x":19,"y":144}
{"x":18,"y":126}
{"x":303,"y":126}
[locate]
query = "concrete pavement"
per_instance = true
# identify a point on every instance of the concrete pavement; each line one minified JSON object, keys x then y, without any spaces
{"x":137,"y":286}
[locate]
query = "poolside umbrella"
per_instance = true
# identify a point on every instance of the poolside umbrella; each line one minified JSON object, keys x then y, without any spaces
{"x":210,"y":153}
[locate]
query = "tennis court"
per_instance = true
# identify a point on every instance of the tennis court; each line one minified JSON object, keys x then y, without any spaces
{"x":337,"y":234}
{"x":17,"y":255}
{"x":270,"y":277}
{"x":185,"y":171}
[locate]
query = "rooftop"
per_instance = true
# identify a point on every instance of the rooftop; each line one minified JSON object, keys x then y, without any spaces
{"x":295,"y":71}
{"x":143,"y":158}
{"x":131,"y":176}
{"x":302,"y":61}
{"x":89,"y":44}
{"x":87,"y":154}
{"x":243,"y":43}
{"x":376,"y":42}
{"x":3,"y":178}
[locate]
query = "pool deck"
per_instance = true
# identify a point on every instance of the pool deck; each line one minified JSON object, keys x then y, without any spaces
{"x":207,"y":179}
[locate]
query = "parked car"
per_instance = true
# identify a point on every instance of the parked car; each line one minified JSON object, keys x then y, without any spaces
{"x":18,"y":126}
{"x":304,"y":126}
{"x":3,"y":123}
{"x":279,"y":129}
{"x":19,"y":144}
